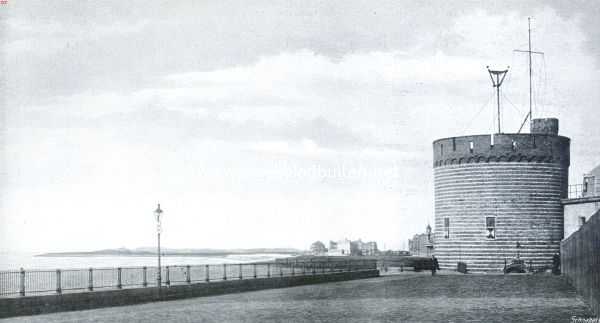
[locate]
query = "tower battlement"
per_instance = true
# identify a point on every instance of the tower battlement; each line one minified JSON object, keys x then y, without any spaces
{"x":536,"y":147}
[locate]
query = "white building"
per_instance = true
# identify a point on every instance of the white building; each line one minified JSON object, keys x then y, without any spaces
{"x":340,"y":248}
{"x":582,"y":203}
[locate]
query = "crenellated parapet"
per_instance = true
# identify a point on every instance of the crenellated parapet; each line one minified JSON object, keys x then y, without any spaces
{"x":526,"y":148}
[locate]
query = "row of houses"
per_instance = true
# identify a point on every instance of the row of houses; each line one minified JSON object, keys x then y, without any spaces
{"x":345,"y":247}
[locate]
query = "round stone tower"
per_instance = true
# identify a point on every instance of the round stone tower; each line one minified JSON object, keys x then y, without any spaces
{"x":498,"y":197}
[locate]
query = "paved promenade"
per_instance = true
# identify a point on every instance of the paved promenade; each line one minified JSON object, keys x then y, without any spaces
{"x":409,"y":297}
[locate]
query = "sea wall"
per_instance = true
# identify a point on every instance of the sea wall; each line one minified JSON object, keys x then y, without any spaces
{"x":31,"y":305}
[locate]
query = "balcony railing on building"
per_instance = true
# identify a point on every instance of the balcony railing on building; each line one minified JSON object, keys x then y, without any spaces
{"x":583,"y":190}
{"x":576,"y":191}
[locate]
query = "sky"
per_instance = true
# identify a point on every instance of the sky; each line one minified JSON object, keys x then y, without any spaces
{"x":265,"y":124}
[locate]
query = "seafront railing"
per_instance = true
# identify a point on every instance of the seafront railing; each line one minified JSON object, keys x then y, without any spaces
{"x":33,"y":282}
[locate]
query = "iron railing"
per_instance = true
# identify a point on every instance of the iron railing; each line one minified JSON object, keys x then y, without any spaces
{"x":575,"y":191}
{"x":31,"y":282}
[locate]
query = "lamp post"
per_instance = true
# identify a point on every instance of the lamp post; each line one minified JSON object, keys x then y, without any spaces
{"x":158,"y":212}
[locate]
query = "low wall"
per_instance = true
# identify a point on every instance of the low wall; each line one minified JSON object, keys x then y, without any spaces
{"x":364,"y":262}
{"x":31,"y":305}
{"x":580,"y":261}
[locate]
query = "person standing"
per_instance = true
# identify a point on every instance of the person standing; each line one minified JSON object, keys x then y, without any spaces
{"x":556,"y":264}
{"x":434,"y":265}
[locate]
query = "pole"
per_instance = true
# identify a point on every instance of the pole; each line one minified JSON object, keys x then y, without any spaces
{"x":58,"y":282}
{"x":530,"y":72}
{"x":158,"y":212}
{"x":498,"y":100}
{"x":22,"y":282}
{"x":158,"y":278}
{"x":144,"y":276}
{"x":167,"y":276}
{"x":91,"y":279}
{"x":497,"y":82}
{"x":119,"y":283}
{"x":529,"y":53}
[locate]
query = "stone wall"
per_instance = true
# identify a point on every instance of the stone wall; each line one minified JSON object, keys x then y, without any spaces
{"x":580,"y":260}
{"x":32,"y":305}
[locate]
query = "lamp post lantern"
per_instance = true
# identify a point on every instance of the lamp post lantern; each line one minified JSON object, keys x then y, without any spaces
{"x":158,"y":212}
{"x":429,"y":244}
{"x":428,"y":231}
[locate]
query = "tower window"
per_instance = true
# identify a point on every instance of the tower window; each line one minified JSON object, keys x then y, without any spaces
{"x":442,"y":149}
{"x":514,"y":145}
{"x":470,"y":146}
{"x":453,"y":144}
{"x":581,"y":220}
{"x":446,"y":228}
{"x":490,"y":226}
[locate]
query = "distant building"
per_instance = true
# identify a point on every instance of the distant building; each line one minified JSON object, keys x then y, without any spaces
{"x":583,"y":202}
{"x":340,"y":248}
{"x":318,"y":248}
{"x":367,"y":248}
{"x":421,"y":244}
{"x":345,"y":247}
{"x":396,"y":253}
{"x":591,"y":183}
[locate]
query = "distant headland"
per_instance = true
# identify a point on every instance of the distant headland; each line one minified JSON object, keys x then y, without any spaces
{"x":150,"y":252}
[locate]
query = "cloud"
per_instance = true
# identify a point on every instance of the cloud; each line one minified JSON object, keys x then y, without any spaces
{"x":65,"y":48}
{"x":197,"y":103}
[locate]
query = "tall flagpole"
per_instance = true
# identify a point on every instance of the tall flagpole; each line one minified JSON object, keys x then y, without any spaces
{"x":529,"y":52}
{"x":530,"y":72}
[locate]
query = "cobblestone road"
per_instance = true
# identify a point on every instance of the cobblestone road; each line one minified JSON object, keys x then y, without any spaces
{"x":410,"y":297}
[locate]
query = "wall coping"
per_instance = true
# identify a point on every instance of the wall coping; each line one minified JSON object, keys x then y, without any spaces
{"x":580,"y":200}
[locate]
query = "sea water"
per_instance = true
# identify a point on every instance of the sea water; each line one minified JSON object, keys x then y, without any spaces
{"x":15,"y":261}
